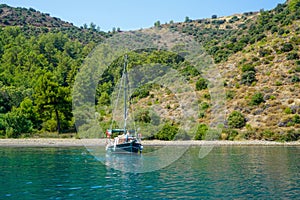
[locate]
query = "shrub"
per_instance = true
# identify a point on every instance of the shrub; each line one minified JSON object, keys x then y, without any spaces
{"x":221,"y":55}
{"x":296,"y":119}
{"x":201,"y":114}
{"x":281,"y":31}
{"x":236,"y":120}
{"x":257,"y":98}
{"x":287,"y":47}
{"x":264,"y":52}
{"x":295,"y":79}
{"x":230,"y":94}
{"x":253,"y":135}
{"x":233,"y":19}
{"x":201,"y":84}
{"x":274,"y":29}
{"x":206,"y":96}
{"x":142,"y":92}
{"x":17,"y":123}
{"x":268,"y":135}
{"x":288,"y":111}
{"x":292,"y":56}
{"x":143,"y":116}
{"x":248,"y":77}
{"x":255,"y":59}
{"x":167,"y":132}
{"x":231,"y":133}
{"x":259,"y":37}
{"x":278,"y":83}
{"x":248,"y":67}
{"x":204,"y":106}
{"x":2,"y":125}
{"x":290,"y":135}
{"x":272,"y":97}
{"x":50,"y":125}
{"x":201,"y":132}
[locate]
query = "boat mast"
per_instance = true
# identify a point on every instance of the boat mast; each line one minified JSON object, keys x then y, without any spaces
{"x":125,"y":92}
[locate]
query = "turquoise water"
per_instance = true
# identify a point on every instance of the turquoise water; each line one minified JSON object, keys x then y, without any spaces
{"x":226,"y":173}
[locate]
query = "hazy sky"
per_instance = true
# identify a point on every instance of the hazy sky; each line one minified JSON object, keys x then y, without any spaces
{"x":136,"y":14}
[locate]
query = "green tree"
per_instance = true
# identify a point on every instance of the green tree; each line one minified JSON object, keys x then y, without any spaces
{"x":104,"y":99}
{"x":187,"y":19}
{"x":20,"y":120}
{"x":29,"y":111}
{"x":16,"y":123}
{"x":92,"y":26}
{"x":50,"y":97}
{"x":294,"y":5}
{"x":157,"y":24}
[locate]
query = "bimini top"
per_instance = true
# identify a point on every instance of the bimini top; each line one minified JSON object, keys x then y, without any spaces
{"x":115,"y":130}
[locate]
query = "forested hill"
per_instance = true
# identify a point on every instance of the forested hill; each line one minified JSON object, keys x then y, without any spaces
{"x":257,"y":54}
{"x":32,"y":22}
{"x":39,"y":58}
{"x":10,"y":16}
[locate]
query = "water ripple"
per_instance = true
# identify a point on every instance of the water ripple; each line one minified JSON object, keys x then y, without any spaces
{"x":226,"y":173}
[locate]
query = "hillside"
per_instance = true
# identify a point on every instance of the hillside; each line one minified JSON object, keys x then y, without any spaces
{"x":33,"y":22}
{"x":257,"y":54}
{"x":10,"y":16}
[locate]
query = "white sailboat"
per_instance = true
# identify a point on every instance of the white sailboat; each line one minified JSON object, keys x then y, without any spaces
{"x":127,"y":141}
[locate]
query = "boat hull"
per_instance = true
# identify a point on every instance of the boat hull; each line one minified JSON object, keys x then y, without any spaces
{"x":127,"y":147}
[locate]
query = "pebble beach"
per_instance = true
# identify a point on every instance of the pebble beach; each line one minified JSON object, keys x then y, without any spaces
{"x":53,"y":142}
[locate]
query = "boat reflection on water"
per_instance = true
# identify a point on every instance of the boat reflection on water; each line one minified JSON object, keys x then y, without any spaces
{"x":125,"y":162}
{"x":153,"y":158}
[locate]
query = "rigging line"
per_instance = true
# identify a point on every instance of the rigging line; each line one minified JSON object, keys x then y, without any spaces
{"x":130,"y":103}
{"x":117,"y":101}
{"x":125,"y":91}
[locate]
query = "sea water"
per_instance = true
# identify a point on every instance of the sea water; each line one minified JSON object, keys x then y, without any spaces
{"x":232,"y":172}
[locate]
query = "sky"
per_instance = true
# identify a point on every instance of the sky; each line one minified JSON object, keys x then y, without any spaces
{"x":136,"y":14}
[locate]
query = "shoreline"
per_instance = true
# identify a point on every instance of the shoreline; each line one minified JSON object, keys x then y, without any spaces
{"x":56,"y":142}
